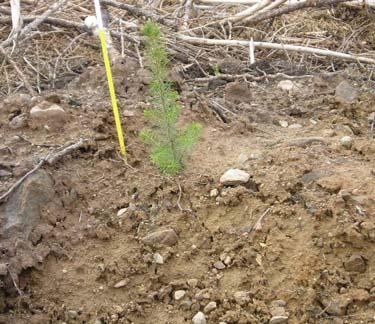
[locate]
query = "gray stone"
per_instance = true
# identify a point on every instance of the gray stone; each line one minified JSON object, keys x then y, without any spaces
{"x":345,"y":93}
{"x":199,"y":318}
{"x":192,"y":282}
{"x":53,"y":115}
{"x":165,"y":237}
{"x":371,"y":117}
{"x":121,"y":283}
{"x":278,"y":303}
{"x":3,"y":269}
{"x":5,"y":174}
{"x":283,"y":123}
{"x":234,"y":177}
{"x":210,"y":307}
{"x":287,"y":85}
{"x":277,"y":311}
{"x":214,"y":193}
{"x":18,"y":122}
{"x":278,"y":319}
{"x":23,"y":211}
{"x":355,"y":263}
{"x":219,"y":265}
{"x":72,"y":314}
{"x":186,"y":305}
{"x":295,"y":126}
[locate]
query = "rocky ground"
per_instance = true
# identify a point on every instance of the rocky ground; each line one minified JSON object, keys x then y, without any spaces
{"x":271,"y":222}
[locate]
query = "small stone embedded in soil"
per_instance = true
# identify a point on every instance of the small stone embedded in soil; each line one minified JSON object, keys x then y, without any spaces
{"x":214,"y":193}
{"x":72,"y":314}
{"x":234,"y":177}
{"x":295,"y":126}
{"x":277,"y":311}
{"x":278,"y":319}
{"x":53,"y":115}
{"x":5,"y":174}
{"x":179,"y":294}
{"x":199,"y":318}
{"x":355,"y":263}
{"x":192,"y":282}
{"x":283,"y":123}
{"x":278,"y":303}
{"x":346,"y":141}
{"x":210,"y":307}
{"x":165,"y":237}
{"x":121,"y":212}
{"x":18,"y":122}
{"x":121,"y":283}
{"x":287,"y":85}
{"x":158,"y":259}
{"x":219,"y":265}
{"x":345,"y":93}
{"x":128,"y":113}
{"x":3,"y":269}
{"x":371,"y":117}
{"x":242,"y":297}
{"x":186,"y":305}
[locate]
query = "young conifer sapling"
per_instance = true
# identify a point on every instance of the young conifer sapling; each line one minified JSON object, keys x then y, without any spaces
{"x":169,"y":143}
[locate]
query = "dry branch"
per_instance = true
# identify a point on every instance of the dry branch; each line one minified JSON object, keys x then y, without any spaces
{"x":34,"y":24}
{"x":284,"y":47}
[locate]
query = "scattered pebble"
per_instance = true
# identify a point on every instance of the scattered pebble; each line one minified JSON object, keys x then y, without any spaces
{"x":18,"y":122}
{"x":210,"y":307}
{"x":128,"y":113}
{"x":283,"y":123}
{"x":219,"y":265}
{"x":278,"y":319}
{"x":346,"y":141}
{"x":158,"y":258}
{"x":277,"y":311}
{"x":371,"y":117}
{"x":192,"y":282}
{"x":121,"y":283}
{"x":179,"y":294}
{"x":54,"y":115}
{"x":355,"y":263}
{"x":295,"y":126}
{"x":287,"y":85}
{"x":3,"y":269}
{"x":165,"y":237}
{"x":214,"y":193}
{"x":72,"y":314}
{"x":199,"y":318}
{"x":121,"y":212}
{"x":345,"y":93}
{"x":186,"y":305}
{"x":234,"y":177}
{"x":242,"y":297}
{"x":5,"y":174}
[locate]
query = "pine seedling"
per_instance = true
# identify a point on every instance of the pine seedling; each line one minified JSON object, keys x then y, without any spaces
{"x":169,"y":144}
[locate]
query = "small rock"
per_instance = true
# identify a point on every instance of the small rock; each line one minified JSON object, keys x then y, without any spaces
{"x":242,"y":297}
{"x":355,"y":263}
{"x":199,"y":318}
{"x":283,"y":123}
{"x":345,"y":93}
{"x":18,"y":122}
{"x":121,"y":212}
{"x":128,"y":113}
{"x":214,"y":193}
{"x":72,"y":314}
{"x":5,"y":174}
{"x":346,"y":141}
{"x":179,"y":294}
{"x":237,"y":92}
{"x":278,"y":303}
{"x":165,"y":237}
{"x":192,"y":282}
{"x":278,"y":319}
{"x":234,"y":177}
{"x":371,"y":117}
{"x":219,"y":265}
{"x":243,"y":158}
{"x":227,"y":260}
{"x":277,"y":311}
{"x":121,"y":283}
{"x":203,"y":294}
{"x":210,"y":307}
{"x":3,"y":269}
{"x":295,"y":126}
{"x":186,"y":305}
{"x":287,"y":85}
{"x":158,"y":258}
{"x":54,"y":115}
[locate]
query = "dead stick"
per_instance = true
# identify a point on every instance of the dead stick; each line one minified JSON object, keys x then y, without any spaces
{"x":34,"y":24}
{"x":19,"y":72}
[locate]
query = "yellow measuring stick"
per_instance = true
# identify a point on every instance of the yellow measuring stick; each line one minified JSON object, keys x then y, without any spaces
{"x":108,"y":71}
